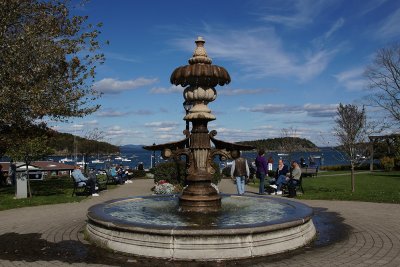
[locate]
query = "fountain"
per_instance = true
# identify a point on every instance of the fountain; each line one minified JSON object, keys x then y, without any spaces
{"x":200,"y":224}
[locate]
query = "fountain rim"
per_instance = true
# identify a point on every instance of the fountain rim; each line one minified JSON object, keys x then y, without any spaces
{"x":303,"y":214}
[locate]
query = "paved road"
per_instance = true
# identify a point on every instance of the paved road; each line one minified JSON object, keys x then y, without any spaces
{"x":351,"y":234}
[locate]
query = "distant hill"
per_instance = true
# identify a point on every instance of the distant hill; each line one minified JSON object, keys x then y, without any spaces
{"x":67,"y":144}
{"x":283,"y":144}
{"x":129,"y":148}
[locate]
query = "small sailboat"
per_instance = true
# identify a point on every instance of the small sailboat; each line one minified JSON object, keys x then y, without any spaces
{"x":81,"y":163}
{"x":97,"y":161}
{"x":66,"y":160}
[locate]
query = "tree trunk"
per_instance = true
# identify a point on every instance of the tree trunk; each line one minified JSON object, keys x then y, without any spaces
{"x":29,"y":181}
{"x":352,"y":178}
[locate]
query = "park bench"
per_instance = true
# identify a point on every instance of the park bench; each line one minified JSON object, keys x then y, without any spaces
{"x":309,"y":171}
{"x":296,"y":187}
{"x":288,"y":188}
{"x":82,"y":188}
{"x":101,"y":181}
{"x":111,"y":179}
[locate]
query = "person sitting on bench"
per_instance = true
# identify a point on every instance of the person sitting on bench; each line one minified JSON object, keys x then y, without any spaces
{"x":294,"y":178}
{"x":281,"y":171}
{"x":80,"y":178}
{"x":121,"y":176}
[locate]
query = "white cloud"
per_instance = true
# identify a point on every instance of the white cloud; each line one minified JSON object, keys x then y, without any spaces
{"x":143,"y":112}
{"x":312,"y":110}
{"x":92,"y":122}
{"x":111,"y":113}
{"x":338,"y":24}
{"x":369,"y":6}
{"x":260,"y":53}
{"x":161,"y":124}
{"x":390,"y":26}
{"x":78,"y":126}
{"x":232,"y":92}
{"x":114,"y":86}
{"x":320,"y":110}
{"x":169,"y":90}
{"x":322,"y":40}
{"x":267,"y":108}
{"x":117,"y":131}
{"x":352,"y":80}
{"x":296,"y":14}
{"x":117,"y":56}
{"x":165,"y":129}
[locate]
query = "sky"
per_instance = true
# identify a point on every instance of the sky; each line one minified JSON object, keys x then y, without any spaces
{"x":291,"y":63}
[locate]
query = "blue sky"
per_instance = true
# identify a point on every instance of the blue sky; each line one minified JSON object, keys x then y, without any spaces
{"x":291,"y":63}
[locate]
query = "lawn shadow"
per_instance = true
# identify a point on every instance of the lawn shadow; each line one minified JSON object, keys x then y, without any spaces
{"x":390,"y":175}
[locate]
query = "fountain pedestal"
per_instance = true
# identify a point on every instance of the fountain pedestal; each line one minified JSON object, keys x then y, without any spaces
{"x":200,"y":77}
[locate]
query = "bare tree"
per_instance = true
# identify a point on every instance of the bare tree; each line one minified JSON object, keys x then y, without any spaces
{"x":289,"y":144}
{"x":95,"y":135}
{"x":350,"y":129}
{"x":384,"y":80}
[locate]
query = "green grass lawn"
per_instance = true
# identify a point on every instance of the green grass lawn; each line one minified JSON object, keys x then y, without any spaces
{"x":370,"y":187}
{"x":52,"y":191}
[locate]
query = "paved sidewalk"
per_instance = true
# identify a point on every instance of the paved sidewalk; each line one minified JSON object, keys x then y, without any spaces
{"x":364,"y":234}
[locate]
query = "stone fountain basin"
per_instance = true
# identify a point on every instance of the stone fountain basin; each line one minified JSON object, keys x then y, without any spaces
{"x":247,"y":226}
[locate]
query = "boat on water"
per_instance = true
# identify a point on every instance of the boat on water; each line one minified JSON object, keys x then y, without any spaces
{"x":126,"y":160}
{"x":118,"y":158}
{"x":97,"y":161}
{"x":66,"y":160}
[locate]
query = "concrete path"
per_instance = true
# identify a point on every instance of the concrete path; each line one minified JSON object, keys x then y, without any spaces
{"x":351,"y":234}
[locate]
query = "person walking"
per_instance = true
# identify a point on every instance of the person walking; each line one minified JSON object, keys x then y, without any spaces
{"x":262,"y":170}
{"x":240,"y":170}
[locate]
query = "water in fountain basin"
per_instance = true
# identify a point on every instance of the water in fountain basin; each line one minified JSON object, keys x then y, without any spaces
{"x":163,"y":212}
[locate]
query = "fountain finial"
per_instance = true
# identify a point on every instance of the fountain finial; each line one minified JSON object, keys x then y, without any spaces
{"x":200,"y":53}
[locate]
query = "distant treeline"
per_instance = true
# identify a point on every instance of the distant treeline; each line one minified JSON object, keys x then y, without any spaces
{"x":66,"y":144}
{"x":283,"y":144}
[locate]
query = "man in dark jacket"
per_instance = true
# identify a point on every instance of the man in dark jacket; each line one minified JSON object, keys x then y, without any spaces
{"x":240,"y":170}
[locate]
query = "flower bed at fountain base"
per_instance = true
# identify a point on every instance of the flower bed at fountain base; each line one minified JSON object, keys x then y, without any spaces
{"x":245,"y":227}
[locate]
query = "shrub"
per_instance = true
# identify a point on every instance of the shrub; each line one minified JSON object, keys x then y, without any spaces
{"x":172,"y":172}
{"x":217,"y":176}
{"x":397,"y":163}
{"x":226,"y":171}
{"x":175,"y":173}
{"x":387,"y":163}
